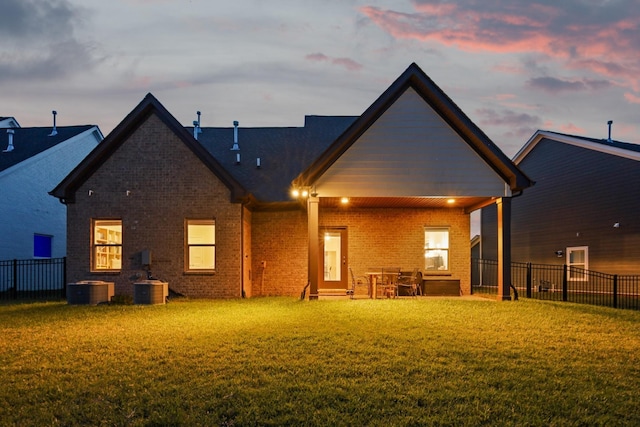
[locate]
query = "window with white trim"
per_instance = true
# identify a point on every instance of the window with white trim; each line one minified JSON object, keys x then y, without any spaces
{"x":200,"y":244}
{"x":436,"y":249}
{"x":107,"y":244}
{"x":577,"y":263}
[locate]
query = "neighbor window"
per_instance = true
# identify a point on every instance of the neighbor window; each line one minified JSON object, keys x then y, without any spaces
{"x":436,"y":248}
{"x":577,"y":262}
{"x":42,"y":246}
{"x":107,"y":244}
{"x":201,"y":244}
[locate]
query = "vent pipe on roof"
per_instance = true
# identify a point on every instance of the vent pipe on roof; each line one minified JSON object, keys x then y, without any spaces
{"x":235,"y":147}
{"x":610,"y":122}
{"x":10,"y":147}
{"x":196,"y":126}
{"x":54,"y":132}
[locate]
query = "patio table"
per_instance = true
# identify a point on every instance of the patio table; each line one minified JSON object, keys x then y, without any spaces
{"x":377,"y":275}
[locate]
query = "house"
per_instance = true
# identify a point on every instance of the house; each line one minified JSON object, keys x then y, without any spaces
{"x":582,"y":212}
{"x":32,"y":161}
{"x":270,"y":211}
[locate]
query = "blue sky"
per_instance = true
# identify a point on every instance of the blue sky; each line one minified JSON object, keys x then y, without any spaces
{"x":512,"y":66}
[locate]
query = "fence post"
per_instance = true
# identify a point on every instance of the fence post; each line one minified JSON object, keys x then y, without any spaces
{"x":565,"y":286}
{"x":615,"y":291}
{"x":64,"y":277}
{"x":14,"y":272}
{"x":528,"y":280}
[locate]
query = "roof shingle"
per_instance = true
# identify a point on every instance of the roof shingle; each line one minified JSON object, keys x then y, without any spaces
{"x":28,"y":142}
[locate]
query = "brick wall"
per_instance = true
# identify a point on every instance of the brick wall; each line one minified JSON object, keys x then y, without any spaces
{"x":376,"y":237}
{"x":280,"y":239}
{"x":395,"y":237}
{"x":167,"y":185}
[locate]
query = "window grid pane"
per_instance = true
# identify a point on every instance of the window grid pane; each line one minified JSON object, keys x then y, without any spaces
{"x":201,"y":250}
{"x":107,"y":245}
{"x":436,"y":249}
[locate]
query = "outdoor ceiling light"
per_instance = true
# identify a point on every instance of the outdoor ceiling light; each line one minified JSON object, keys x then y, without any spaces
{"x":344,"y":200}
{"x":451,"y":201}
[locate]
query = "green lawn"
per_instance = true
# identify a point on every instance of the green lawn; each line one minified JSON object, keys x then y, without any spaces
{"x":280,"y":361}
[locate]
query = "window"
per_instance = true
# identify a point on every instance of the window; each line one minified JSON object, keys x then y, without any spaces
{"x":107,"y":244}
{"x":42,"y":246}
{"x":201,"y":244}
{"x":436,"y":249}
{"x":577,"y":263}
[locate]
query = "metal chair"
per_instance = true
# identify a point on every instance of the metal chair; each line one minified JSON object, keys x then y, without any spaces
{"x":358,"y":281}
{"x":411,"y":282}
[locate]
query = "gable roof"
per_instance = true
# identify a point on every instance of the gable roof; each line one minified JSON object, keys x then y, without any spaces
{"x":415,"y":78}
{"x":28,"y":142}
{"x":284,"y":152}
{"x":65,"y":191}
{"x":616,"y":148}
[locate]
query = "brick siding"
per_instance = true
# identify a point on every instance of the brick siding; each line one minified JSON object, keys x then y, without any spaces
{"x":167,"y":185}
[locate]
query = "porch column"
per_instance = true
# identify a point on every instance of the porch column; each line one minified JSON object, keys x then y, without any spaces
{"x":504,"y":248}
{"x":314,"y":246}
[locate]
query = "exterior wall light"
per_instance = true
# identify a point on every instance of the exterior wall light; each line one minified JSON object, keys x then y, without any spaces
{"x":344,"y":200}
{"x":302,"y":193}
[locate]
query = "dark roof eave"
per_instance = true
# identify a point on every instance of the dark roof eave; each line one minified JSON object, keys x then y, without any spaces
{"x":149,"y":105}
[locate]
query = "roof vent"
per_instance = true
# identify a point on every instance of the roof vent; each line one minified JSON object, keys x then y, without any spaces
{"x":609,"y":140}
{"x":235,"y":147}
{"x":10,"y":147}
{"x":196,"y":126}
{"x":54,"y":132}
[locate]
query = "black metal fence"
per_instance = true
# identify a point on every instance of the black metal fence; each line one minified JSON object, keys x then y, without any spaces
{"x":559,"y":283}
{"x":33,"y":279}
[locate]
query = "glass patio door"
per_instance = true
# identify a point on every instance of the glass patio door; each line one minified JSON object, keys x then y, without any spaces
{"x":333,"y":259}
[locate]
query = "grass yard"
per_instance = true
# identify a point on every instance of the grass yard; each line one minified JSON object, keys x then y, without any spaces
{"x":280,"y":361}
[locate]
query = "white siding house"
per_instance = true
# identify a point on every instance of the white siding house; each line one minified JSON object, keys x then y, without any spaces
{"x":32,"y":162}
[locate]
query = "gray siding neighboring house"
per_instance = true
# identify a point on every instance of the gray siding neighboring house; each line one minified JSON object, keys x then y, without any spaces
{"x":583,"y":209}
{"x":32,"y":161}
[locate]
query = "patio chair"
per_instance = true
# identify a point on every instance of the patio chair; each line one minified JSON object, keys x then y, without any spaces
{"x":410,"y":282}
{"x":389,"y":285}
{"x":358,"y":281}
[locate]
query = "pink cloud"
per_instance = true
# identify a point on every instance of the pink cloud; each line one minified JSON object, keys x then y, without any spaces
{"x":632,"y":98}
{"x":570,"y":128}
{"x":317,"y":57}
{"x":603,"y":39}
{"x":141,"y":82}
{"x":347,"y":63}
{"x":504,"y":96}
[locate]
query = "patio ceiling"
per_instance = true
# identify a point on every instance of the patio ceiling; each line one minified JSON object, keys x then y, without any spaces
{"x":467,"y":203}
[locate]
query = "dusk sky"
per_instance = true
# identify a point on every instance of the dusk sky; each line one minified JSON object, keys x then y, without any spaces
{"x":512,"y":66}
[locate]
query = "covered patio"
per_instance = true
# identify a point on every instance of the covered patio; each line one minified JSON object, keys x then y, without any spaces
{"x":400,"y":184}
